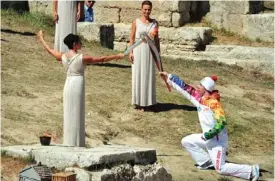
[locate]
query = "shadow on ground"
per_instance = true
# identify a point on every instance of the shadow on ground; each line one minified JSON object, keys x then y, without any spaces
{"x":17,"y":32}
{"x":112,"y":65}
{"x":163,"y":107}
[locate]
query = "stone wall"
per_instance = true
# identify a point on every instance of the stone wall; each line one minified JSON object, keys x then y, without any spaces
{"x":241,"y":17}
{"x":168,"y":13}
{"x":234,"y":16}
{"x":173,"y":40}
{"x":42,"y":6}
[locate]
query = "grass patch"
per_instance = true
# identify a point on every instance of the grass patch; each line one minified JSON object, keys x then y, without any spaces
{"x":224,"y":179}
{"x":3,"y":152}
{"x":30,"y":159}
{"x":108,"y":99}
{"x":30,"y":21}
{"x":10,"y":140}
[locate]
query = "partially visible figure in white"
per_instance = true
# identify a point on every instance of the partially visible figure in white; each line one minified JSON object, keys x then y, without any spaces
{"x":208,"y":149}
{"x":66,"y":13}
{"x":74,"y":89}
{"x":143,"y":65}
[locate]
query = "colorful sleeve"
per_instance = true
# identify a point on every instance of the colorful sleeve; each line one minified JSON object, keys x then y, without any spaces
{"x":219,"y":116}
{"x":184,"y":89}
{"x":191,"y":90}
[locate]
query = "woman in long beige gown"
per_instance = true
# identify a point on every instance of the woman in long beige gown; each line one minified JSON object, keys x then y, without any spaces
{"x":143,"y":66}
{"x":74,"y":89}
{"x":66,"y":14}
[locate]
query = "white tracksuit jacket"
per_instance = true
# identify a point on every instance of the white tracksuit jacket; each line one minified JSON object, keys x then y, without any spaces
{"x":209,"y":147}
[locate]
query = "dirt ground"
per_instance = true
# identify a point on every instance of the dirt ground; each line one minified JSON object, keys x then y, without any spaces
{"x":32,"y":85}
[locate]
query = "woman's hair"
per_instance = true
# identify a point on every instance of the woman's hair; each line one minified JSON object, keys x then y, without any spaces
{"x":70,"y":39}
{"x":146,"y":3}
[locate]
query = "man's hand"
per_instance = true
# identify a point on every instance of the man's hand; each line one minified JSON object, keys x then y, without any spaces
{"x":131,"y":57}
{"x":77,"y":16}
{"x":55,"y":17}
{"x":164,"y":74}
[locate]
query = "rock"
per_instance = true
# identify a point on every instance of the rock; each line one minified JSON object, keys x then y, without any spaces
{"x":233,"y":22}
{"x":118,"y":173}
{"x":106,"y":15}
{"x":163,"y":18}
{"x":122,"y":32}
{"x":61,"y":157}
{"x":164,"y":6}
{"x":261,"y":54}
{"x":126,"y":172}
{"x":45,"y":7}
{"x":127,"y":11}
{"x":129,"y":15}
{"x":269,"y":5}
{"x":220,"y":48}
{"x":259,"y":26}
{"x":172,"y":49}
{"x":120,"y":46}
{"x":155,"y":172}
{"x":81,"y":174}
{"x":185,"y":35}
{"x":235,"y":7}
{"x":251,"y":58}
{"x":238,"y":17}
{"x":119,"y":4}
{"x":172,"y":39}
{"x":103,"y":33}
{"x":179,"y":19}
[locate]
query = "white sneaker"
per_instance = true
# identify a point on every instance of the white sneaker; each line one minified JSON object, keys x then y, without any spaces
{"x":255,"y":173}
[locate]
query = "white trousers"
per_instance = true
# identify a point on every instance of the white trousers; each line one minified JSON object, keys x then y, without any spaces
{"x":214,"y":150}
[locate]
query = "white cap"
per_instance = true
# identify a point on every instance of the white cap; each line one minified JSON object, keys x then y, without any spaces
{"x":208,"y":83}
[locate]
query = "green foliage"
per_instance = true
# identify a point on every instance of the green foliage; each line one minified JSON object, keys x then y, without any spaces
{"x":35,"y":21}
{"x":29,"y":159}
{"x":3,"y":152}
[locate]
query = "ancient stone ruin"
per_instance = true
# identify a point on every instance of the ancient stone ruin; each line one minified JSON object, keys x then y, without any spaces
{"x":102,"y":163}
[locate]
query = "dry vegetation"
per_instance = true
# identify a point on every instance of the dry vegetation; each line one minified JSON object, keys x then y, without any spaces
{"x":32,"y":85}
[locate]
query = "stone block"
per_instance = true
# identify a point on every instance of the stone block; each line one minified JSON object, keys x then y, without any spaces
{"x":160,"y":5}
{"x":61,"y":157}
{"x":179,"y":19}
{"x":129,"y":15}
{"x":81,"y":174}
{"x":234,"y":7}
{"x":216,"y":18}
{"x":233,"y":22}
{"x":120,"y":46}
{"x":163,"y":18}
{"x":260,"y":26}
{"x":252,"y":53}
{"x":122,"y":32}
{"x":194,"y":36}
{"x":106,"y":15}
{"x":119,"y":4}
{"x":43,"y":6}
{"x":103,"y":33}
{"x":220,"y":48}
